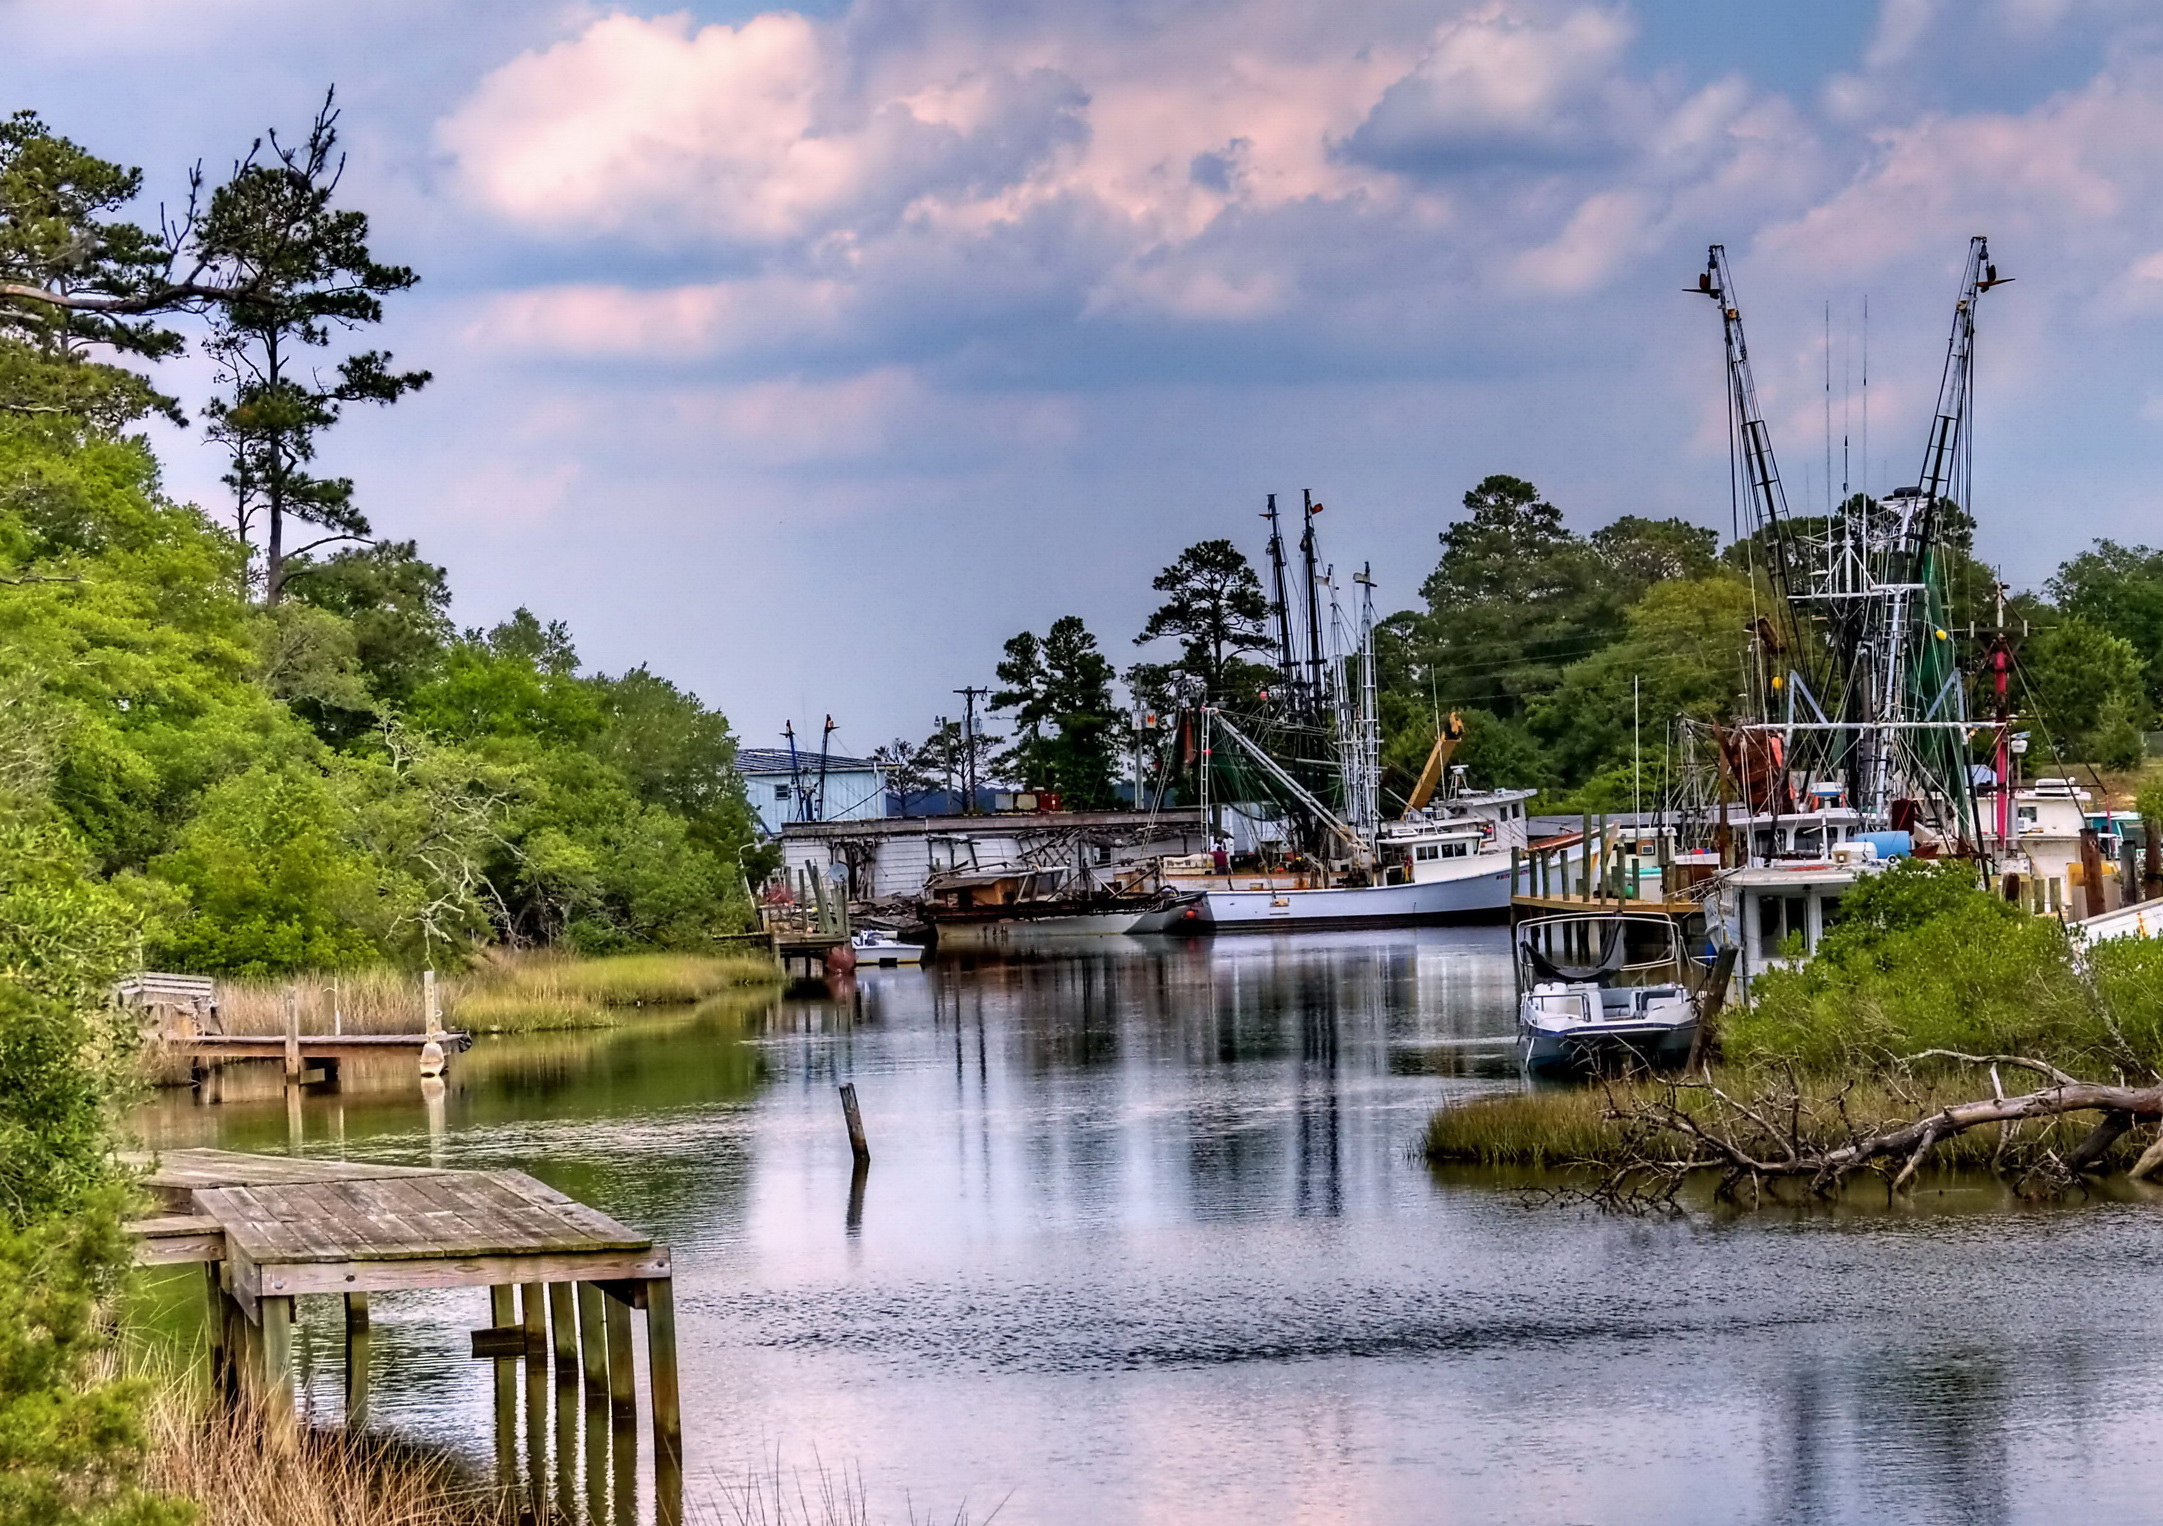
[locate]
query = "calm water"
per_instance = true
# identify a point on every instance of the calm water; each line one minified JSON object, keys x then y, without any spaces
{"x":1144,"y":1240}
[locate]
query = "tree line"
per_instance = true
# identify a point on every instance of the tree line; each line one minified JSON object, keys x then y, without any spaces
{"x":1566,"y":655}
{"x":257,"y":732}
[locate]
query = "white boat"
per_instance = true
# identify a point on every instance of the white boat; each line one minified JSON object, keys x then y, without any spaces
{"x":877,"y":946}
{"x":1448,"y":865}
{"x":1600,"y":991}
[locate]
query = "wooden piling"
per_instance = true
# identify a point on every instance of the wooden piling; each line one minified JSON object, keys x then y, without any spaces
{"x":533,"y":1304}
{"x":563,"y":1326}
{"x":857,"y":1145}
{"x":592,"y":1338}
{"x":292,"y":1036}
{"x":503,"y":1314}
{"x":276,"y":1315}
{"x":356,"y":1361}
{"x":667,"y":1409}
{"x":622,"y":1375}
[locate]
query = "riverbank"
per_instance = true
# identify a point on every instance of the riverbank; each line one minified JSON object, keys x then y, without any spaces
{"x":503,"y":992}
{"x":1937,"y":1025}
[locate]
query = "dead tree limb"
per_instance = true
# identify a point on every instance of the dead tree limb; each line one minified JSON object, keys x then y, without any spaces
{"x":1910,"y":1142}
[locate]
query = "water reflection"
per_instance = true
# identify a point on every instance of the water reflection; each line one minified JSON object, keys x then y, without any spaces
{"x":1143,"y":1239}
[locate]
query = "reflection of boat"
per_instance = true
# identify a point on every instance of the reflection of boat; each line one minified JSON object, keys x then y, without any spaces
{"x":1021,"y":908}
{"x":1600,"y":991}
{"x":879,"y":946}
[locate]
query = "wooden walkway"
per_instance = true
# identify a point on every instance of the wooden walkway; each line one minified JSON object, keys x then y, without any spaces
{"x":272,"y":1228}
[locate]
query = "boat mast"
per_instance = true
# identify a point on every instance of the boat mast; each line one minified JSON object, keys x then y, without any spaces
{"x":1309,"y":552}
{"x":1280,"y":606}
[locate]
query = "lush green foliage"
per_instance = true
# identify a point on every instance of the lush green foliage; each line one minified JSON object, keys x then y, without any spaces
{"x":1924,"y":959}
{"x":1066,"y":722}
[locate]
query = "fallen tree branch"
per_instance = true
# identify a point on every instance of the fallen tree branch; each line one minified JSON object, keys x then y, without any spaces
{"x":1911,"y":1142}
{"x":2041,"y":1067}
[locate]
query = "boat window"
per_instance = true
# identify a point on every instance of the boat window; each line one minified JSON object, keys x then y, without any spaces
{"x":1779,"y":916}
{"x":1425,"y":851}
{"x":1455,"y":849}
{"x":1828,"y":913}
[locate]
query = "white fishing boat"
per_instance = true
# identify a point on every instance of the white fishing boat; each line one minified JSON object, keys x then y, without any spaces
{"x":1602,"y":991}
{"x":1448,"y":865}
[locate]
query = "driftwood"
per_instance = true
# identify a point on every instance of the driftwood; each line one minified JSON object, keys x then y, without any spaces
{"x":1759,"y":1139}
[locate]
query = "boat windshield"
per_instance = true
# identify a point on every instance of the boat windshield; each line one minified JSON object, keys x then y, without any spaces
{"x":1613,"y":950}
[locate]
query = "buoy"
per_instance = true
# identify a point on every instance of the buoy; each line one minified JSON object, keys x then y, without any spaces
{"x":431,"y":1060}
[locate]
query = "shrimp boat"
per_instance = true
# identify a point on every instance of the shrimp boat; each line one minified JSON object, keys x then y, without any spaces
{"x":1602,"y":991}
{"x":1446,"y":858}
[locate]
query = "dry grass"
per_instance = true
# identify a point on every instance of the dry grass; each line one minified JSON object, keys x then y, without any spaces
{"x":239,"y":1473}
{"x":503,"y":993}
{"x":1555,"y":1127}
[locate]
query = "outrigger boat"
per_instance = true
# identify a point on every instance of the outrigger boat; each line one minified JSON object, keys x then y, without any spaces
{"x":1601,"y":991}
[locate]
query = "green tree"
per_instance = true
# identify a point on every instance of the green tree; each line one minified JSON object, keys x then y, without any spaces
{"x":1059,"y":689}
{"x":396,"y":604}
{"x":65,"y":267}
{"x":296,"y":269}
{"x":1214,"y":609}
{"x":2119,"y":589}
{"x":1514,"y":599}
{"x":2085,"y":688}
{"x":1682,"y":648}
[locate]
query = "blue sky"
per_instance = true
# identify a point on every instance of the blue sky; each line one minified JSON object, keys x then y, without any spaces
{"x":805,"y":355}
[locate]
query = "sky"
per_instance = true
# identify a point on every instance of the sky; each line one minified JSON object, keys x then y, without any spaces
{"x":804,"y":356}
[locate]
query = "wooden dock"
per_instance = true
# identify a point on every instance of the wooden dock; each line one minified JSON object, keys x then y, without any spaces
{"x":270,"y":1229}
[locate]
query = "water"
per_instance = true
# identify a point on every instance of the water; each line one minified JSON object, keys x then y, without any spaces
{"x":1145,"y":1239}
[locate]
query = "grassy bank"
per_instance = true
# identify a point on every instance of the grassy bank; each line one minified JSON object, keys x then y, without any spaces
{"x":1623,"y":1122}
{"x":502,"y":993}
{"x":228,"y":1464}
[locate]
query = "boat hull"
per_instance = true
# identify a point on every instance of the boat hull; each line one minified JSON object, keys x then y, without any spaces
{"x":1592,"y":1050}
{"x":1480,"y":896}
{"x":992,"y":933}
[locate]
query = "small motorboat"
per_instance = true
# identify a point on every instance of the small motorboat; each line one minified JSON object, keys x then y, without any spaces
{"x":1603,"y":991}
{"x":879,"y":946}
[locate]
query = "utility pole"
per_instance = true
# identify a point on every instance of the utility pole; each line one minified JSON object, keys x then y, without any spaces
{"x":969,"y":698}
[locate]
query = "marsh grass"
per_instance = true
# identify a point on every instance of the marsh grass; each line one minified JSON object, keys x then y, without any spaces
{"x":239,"y":1472}
{"x":502,"y":993}
{"x":1601,"y":1125}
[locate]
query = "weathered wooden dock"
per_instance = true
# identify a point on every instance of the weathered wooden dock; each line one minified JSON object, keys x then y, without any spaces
{"x":270,"y":1229}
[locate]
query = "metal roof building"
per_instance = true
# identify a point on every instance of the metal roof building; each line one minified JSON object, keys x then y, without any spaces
{"x":847,"y":789}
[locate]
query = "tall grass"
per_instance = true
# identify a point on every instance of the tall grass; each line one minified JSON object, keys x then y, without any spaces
{"x":502,"y":993}
{"x":240,"y":1472}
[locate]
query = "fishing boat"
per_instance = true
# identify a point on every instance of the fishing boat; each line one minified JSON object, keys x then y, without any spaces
{"x":1602,"y":991}
{"x":1446,"y":857}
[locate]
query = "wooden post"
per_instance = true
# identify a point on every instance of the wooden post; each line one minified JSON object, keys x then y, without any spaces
{"x":292,"y":1036}
{"x":855,"y":1120}
{"x":563,"y":1325}
{"x":356,"y":1361}
{"x":503,"y":1313}
{"x":1705,"y":1043}
{"x":592,"y":1338}
{"x":667,"y":1410}
{"x":533,"y":1302}
{"x":622,"y":1376}
{"x":2091,"y":871}
{"x":2151,"y":860}
{"x":277,"y":1317}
